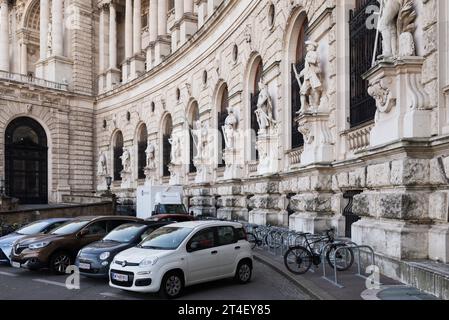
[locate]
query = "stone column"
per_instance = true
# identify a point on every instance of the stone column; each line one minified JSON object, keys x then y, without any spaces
{"x":56,"y":28}
{"x":137,"y":24}
{"x":4,"y":36}
{"x":137,"y":62}
{"x":43,"y":38}
{"x":179,"y":9}
{"x":153,"y":29}
{"x":113,"y":74}
{"x":44,"y":20}
{"x":202,"y":12}
{"x":126,"y":66}
{"x":101,"y":48}
{"x":162,"y":45}
{"x":24,"y":57}
{"x":188,"y":24}
{"x":211,"y":5}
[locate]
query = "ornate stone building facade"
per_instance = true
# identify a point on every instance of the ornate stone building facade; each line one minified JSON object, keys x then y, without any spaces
{"x":271,"y":111}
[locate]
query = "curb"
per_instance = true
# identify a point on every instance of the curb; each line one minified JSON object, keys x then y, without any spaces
{"x":306,"y":286}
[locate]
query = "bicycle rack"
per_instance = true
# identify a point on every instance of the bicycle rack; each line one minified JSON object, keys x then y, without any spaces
{"x":353,"y":248}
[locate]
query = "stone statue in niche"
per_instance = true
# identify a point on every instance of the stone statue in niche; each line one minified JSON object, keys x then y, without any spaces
{"x":264,"y":111}
{"x":311,"y":87}
{"x":229,"y":128}
{"x":175,"y":154}
{"x":151,"y":156}
{"x":126,"y":161}
{"x":201,"y":137}
{"x":397,"y":25}
{"x":102,"y":169}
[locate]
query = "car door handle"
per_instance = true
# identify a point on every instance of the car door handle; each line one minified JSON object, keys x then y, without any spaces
{"x":214,"y":252}
{"x":237,"y":248}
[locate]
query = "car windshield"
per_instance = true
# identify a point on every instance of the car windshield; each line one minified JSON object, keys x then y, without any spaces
{"x":33,"y":228}
{"x":171,"y":209}
{"x":70,"y":227}
{"x":125,"y":233}
{"x":165,"y":238}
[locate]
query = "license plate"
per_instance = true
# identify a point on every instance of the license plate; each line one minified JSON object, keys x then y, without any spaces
{"x":16,"y":264}
{"x":119,"y":277}
{"x":84,"y":266}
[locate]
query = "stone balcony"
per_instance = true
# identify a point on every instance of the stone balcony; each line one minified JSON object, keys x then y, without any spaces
{"x":358,"y":138}
{"x":32,"y":81}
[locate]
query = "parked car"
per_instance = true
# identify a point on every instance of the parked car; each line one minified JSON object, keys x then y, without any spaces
{"x":184,"y":254}
{"x":94,"y":259}
{"x":37,"y":227}
{"x":58,"y":249}
{"x":171,"y":218}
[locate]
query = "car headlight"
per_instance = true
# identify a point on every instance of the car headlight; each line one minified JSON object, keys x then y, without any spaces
{"x":38,"y":245}
{"x":104,"y":255}
{"x":148,"y":262}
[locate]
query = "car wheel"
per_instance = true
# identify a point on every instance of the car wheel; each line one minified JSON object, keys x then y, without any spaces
{"x":244,"y":272}
{"x":59,"y":262}
{"x":172,"y":286}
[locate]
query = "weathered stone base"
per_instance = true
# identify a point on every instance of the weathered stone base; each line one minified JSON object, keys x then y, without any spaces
{"x":235,"y":214}
{"x":396,"y":239}
{"x":269,"y":217}
{"x":312,"y":222}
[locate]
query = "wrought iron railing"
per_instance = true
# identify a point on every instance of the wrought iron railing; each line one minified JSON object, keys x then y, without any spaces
{"x":15,"y":77}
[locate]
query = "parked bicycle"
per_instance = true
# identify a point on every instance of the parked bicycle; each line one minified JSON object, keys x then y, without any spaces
{"x":299,"y":259}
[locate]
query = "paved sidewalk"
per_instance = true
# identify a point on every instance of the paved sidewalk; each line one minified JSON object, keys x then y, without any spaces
{"x":354,"y":287}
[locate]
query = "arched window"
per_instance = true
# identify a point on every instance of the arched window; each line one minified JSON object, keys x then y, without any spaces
{"x":142,"y":144}
{"x":193,"y":118}
{"x":118,"y":152}
{"x":26,"y":161}
{"x":362,"y":105}
{"x":255,"y":90}
{"x":222,"y":115}
{"x":297,"y":138}
{"x":166,"y":146}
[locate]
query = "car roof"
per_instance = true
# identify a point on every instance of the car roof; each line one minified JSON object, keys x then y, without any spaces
{"x":149,"y":223}
{"x":92,"y":218}
{"x":200,"y":224}
{"x":51,"y":220}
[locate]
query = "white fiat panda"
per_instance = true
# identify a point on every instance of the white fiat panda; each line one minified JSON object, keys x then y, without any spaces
{"x":184,"y":254}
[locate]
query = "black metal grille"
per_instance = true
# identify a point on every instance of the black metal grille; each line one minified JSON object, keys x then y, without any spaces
{"x":221,"y":122}
{"x":254,"y":124}
{"x":142,"y":159}
{"x":350,"y":217}
{"x":297,"y":137}
{"x":166,"y":147}
{"x":118,"y":166}
{"x":362,"y":39}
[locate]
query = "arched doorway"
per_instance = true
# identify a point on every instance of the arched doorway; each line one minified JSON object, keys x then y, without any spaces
{"x":26,"y":161}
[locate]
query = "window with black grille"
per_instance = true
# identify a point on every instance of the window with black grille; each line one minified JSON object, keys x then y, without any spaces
{"x":194,"y":117}
{"x":362,"y":40}
{"x":222,"y":115}
{"x":166,"y":146}
{"x":141,"y":152}
{"x":118,"y":152}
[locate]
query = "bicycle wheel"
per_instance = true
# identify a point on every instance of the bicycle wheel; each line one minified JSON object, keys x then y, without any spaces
{"x":298,"y":260}
{"x":272,"y":239}
{"x":252,"y":240}
{"x":344,"y":258}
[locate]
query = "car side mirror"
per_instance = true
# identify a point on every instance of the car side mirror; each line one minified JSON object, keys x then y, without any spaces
{"x":82,"y":233}
{"x":194,"y":246}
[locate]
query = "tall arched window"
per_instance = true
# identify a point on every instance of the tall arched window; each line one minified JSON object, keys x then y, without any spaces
{"x":255,"y":90}
{"x":166,"y":146}
{"x":142,"y":144}
{"x":297,"y":138}
{"x":222,"y":115}
{"x":118,"y":152}
{"x":193,"y":118}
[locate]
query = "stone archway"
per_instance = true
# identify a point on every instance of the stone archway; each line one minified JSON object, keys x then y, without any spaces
{"x":26,"y":161}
